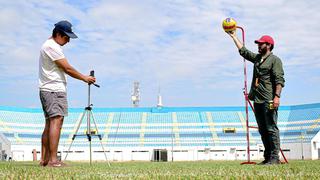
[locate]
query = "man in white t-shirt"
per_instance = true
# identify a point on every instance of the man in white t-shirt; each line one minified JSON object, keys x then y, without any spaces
{"x":53,"y":68}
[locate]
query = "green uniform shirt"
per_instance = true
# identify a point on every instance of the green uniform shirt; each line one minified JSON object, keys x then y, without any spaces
{"x":268,"y":74}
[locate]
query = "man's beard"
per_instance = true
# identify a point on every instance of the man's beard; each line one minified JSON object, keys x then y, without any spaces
{"x":263,"y":51}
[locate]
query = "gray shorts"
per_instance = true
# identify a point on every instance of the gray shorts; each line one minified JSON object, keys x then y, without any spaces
{"x":54,"y":103}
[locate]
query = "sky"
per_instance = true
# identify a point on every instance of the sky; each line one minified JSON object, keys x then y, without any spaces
{"x":177,"y":46}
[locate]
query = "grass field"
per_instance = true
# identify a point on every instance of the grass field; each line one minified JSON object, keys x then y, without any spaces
{"x":162,"y":170}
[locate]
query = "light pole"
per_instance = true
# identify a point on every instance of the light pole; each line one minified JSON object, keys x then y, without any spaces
{"x":302,"y":139}
{"x":172,"y":141}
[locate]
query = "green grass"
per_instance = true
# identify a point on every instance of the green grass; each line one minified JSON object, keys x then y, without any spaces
{"x":162,"y":170}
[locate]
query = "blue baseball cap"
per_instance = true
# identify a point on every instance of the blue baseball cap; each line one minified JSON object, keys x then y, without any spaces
{"x":65,"y":26}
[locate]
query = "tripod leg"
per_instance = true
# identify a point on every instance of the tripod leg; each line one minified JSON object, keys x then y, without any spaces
{"x":89,"y":133}
{"x":75,"y":133}
{"x":90,"y":150}
{"x":100,"y":139}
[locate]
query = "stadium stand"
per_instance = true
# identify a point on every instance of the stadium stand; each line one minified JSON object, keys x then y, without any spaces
{"x":187,"y":133}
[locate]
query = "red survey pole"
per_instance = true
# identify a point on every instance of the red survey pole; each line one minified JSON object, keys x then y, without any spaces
{"x":245,"y":93}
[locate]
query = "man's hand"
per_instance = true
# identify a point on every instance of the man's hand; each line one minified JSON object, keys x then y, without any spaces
{"x":89,"y":79}
{"x":233,"y":33}
{"x":276,"y":102}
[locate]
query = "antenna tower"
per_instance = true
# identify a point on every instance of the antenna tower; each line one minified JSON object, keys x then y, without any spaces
{"x":135,"y":96}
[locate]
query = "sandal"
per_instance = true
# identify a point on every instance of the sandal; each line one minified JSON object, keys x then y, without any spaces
{"x":56,"y":164}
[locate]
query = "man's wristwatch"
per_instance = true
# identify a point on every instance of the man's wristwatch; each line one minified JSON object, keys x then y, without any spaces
{"x":278,"y":95}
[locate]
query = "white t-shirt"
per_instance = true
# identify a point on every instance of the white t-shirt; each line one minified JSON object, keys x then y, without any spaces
{"x":51,"y":77}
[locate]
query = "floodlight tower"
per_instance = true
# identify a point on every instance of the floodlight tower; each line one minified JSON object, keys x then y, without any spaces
{"x":135,"y":96}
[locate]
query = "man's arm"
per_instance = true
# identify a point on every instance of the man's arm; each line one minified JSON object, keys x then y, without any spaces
{"x":244,"y":52}
{"x":236,"y":41}
{"x":276,"y":99}
{"x":278,"y":73}
{"x":67,"y":68}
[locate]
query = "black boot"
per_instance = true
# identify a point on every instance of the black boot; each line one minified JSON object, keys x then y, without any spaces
{"x":273,"y":161}
{"x":263,"y":162}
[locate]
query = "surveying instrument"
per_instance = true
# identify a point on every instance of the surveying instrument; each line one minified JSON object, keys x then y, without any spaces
{"x":89,"y":131}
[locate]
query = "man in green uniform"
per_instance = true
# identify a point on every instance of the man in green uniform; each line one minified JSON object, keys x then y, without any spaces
{"x":266,"y":86}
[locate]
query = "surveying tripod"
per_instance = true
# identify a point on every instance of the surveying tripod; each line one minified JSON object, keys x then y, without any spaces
{"x":89,"y":132}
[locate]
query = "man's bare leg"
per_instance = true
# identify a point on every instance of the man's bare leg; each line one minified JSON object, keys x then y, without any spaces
{"x":54,"y":137}
{"x":45,"y":153}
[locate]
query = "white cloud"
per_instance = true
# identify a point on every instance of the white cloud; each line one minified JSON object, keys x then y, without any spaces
{"x":177,"y":44}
